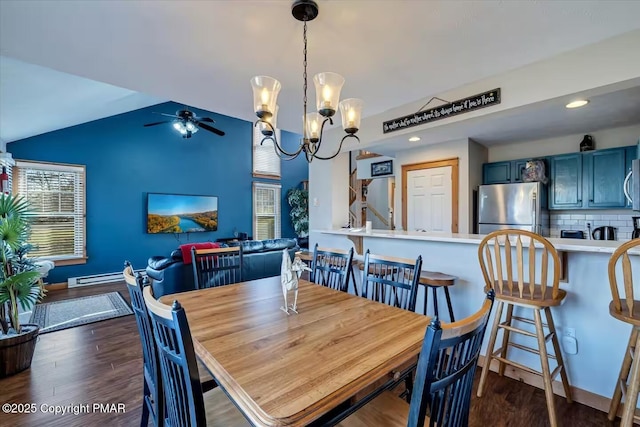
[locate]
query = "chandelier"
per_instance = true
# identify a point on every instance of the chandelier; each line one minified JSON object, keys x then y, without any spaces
{"x":328,"y":86}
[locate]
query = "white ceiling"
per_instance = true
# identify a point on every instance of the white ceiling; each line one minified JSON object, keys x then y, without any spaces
{"x":391,"y":52}
{"x":35,"y":100}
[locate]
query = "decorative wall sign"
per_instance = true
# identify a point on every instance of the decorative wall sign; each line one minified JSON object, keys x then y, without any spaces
{"x":382,"y":168}
{"x":451,"y":109}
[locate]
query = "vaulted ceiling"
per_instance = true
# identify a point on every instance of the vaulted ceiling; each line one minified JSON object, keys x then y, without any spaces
{"x":204,"y":53}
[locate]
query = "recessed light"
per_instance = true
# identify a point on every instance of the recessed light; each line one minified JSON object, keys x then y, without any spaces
{"x":414,"y":139}
{"x":577,"y":103}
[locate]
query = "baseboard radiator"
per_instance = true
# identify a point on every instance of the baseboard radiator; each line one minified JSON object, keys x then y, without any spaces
{"x":97,"y":279}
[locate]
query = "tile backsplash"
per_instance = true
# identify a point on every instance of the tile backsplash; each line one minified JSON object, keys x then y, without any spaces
{"x":572,"y":220}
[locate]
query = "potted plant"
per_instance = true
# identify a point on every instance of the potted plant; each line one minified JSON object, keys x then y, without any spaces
{"x":19,"y":285}
{"x":299,"y":202}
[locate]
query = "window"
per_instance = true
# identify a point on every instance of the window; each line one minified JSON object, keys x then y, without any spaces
{"x":266,"y":163}
{"x":266,"y":211}
{"x":56,"y":193}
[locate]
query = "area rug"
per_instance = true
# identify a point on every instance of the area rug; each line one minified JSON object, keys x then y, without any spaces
{"x":54,"y":316}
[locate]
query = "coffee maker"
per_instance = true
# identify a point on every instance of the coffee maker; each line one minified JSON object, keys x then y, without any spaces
{"x":636,"y":227}
{"x":604,"y":233}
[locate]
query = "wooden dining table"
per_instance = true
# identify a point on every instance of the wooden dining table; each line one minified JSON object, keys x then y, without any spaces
{"x":299,"y":369}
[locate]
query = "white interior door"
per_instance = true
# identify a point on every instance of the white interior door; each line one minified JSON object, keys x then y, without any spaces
{"x":429,"y":199}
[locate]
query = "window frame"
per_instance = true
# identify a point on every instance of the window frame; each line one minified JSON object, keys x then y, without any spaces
{"x":20,"y":164}
{"x":277,"y":205}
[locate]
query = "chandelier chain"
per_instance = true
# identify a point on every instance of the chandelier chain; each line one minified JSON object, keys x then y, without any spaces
{"x":304,"y":76}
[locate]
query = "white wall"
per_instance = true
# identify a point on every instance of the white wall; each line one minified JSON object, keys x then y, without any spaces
{"x":447,"y":150}
{"x":607,"y":138}
{"x":477,"y":156}
{"x":378,"y":199}
{"x":364,"y":166}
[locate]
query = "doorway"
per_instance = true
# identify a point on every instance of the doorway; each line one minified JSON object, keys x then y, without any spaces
{"x":430,"y":196}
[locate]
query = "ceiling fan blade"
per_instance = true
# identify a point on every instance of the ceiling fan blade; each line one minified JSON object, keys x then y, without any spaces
{"x":210,"y":129}
{"x":207,"y":119}
{"x":156,"y":123}
{"x":168,"y":115}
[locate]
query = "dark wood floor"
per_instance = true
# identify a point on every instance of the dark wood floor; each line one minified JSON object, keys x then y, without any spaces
{"x":102,"y":363}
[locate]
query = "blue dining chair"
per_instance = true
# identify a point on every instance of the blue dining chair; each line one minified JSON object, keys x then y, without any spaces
{"x":444,"y":379}
{"x":392,"y":281}
{"x":185,"y":404}
{"x":217,"y":266}
{"x":152,"y":394}
{"x":332,"y":268}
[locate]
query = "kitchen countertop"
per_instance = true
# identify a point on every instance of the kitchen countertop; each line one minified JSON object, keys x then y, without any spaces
{"x":567,"y":245}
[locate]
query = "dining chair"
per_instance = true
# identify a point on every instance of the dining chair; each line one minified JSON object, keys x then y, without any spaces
{"x":186,"y":405}
{"x":626,"y":308}
{"x":392,"y":281}
{"x":152,"y":392}
{"x":509,"y":260}
{"x":444,"y":379}
{"x":332,"y":268}
{"x":216,"y":267}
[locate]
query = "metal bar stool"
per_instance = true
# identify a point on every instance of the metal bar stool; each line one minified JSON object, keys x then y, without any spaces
{"x":434,"y":280}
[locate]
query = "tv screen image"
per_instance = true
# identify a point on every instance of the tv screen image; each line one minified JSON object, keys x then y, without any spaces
{"x":179,"y":213}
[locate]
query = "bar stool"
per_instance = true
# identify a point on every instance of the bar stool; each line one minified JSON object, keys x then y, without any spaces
{"x":434,"y":281}
{"x":627,"y":310}
{"x":494,"y":253}
{"x":307,"y":258}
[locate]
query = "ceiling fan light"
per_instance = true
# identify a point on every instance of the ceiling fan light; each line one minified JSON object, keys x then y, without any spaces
{"x":265,"y":95}
{"x":191,"y":127}
{"x":328,"y":87}
{"x":177,"y":126}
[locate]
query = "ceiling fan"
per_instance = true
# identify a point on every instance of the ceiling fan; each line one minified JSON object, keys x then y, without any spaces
{"x":187,"y":123}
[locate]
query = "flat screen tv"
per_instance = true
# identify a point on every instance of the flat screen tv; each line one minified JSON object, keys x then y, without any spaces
{"x":179,"y":213}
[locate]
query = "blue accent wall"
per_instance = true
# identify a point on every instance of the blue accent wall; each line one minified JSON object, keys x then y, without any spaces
{"x":125,"y":161}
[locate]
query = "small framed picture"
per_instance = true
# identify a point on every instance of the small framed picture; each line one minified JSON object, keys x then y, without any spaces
{"x":382,"y":168}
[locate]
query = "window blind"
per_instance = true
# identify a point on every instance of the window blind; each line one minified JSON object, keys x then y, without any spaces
{"x":265,"y":159}
{"x":56,"y":195}
{"x":266,"y":208}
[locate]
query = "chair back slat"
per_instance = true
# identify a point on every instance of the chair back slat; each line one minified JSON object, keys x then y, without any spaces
{"x":520,"y":266}
{"x":216,"y":267}
{"x":525,"y":282}
{"x":507,"y":251}
{"x":626,"y":301}
{"x":331,"y":268}
{"x":180,"y":377}
{"x":532,"y":266}
{"x":446,"y":368}
{"x":498,"y":264}
{"x":543,"y":273}
{"x":151,"y":369}
{"x":391,"y":281}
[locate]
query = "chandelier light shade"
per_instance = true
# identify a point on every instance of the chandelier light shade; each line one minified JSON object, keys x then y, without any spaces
{"x":328,"y":86}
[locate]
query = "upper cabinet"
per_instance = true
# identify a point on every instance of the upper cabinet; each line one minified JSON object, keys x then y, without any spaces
{"x":496,"y":173}
{"x":604,"y":173}
{"x":588,"y":180}
{"x":565,"y":191}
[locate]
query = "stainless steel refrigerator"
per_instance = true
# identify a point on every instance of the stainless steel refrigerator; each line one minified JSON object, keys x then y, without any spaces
{"x":522,"y":206}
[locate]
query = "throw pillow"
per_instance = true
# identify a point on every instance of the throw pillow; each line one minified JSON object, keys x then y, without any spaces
{"x":186,"y":249}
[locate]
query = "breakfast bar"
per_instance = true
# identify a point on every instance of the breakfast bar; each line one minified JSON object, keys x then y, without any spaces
{"x":592,"y":365}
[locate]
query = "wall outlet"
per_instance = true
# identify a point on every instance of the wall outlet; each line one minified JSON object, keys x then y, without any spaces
{"x":569,"y":332}
{"x":315,"y":201}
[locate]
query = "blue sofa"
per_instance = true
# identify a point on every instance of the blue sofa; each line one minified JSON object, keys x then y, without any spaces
{"x":261,"y":258}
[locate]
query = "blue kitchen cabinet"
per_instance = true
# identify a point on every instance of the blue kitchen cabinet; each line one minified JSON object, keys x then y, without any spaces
{"x":604,"y":173}
{"x":496,"y":173}
{"x":565,"y":191}
{"x":517,"y":169}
